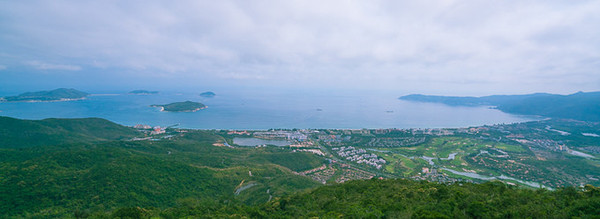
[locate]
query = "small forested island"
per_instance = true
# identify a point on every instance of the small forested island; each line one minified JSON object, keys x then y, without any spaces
{"x":187,"y":106}
{"x":143,"y":92}
{"x":61,"y":94}
{"x":208,"y":94}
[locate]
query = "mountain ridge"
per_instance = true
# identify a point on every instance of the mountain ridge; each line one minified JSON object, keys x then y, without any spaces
{"x":580,"y":106}
{"x":19,"y":133}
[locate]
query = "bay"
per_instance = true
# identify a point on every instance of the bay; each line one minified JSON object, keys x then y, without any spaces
{"x":264,"y":109}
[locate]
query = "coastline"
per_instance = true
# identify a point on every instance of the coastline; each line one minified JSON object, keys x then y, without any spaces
{"x":162,"y":108}
{"x":234,"y":113}
{"x":43,"y":101}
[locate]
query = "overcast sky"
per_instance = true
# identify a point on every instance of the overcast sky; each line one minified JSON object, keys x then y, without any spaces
{"x":432,"y":47}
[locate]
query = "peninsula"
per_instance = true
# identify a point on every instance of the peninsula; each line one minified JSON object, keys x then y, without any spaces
{"x":61,"y":94}
{"x":187,"y":106}
{"x":580,"y":106}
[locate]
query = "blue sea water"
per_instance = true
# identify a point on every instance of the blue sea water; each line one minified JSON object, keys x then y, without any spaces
{"x":263,"y":109}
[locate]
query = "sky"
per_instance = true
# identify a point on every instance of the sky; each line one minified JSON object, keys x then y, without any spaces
{"x":431,"y":47}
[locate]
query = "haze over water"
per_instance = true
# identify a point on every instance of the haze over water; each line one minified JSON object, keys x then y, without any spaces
{"x":265,"y":109}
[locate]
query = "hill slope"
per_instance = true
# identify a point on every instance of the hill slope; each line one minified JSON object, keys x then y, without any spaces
{"x":17,"y":133}
{"x":55,"y":167}
{"x":399,"y":199}
{"x":188,"y":174}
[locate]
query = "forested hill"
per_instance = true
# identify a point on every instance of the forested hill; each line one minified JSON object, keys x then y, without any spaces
{"x":60,"y":94}
{"x":396,"y":199}
{"x":62,"y":168}
{"x":421,"y":199}
{"x":18,"y":133}
{"x":581,"y":106}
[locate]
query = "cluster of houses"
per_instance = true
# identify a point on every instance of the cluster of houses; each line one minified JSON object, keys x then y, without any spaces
{"x":156,"y":130}
{"x":314,"y":151}
{"x":333,"y":138}
{"x":359,"y":156}
{"x":235,"y":132}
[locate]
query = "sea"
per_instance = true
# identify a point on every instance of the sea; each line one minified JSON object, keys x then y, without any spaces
{"x":267,"y":109}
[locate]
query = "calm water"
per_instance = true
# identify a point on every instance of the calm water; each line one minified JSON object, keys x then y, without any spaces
{"x":264,"y":110}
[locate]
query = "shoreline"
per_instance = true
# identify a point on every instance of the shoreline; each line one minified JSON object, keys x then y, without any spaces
{"x":43,"y":101}
{"x":280,"y":128}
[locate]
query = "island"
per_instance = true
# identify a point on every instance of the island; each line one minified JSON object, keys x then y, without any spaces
{"x":61,"y":94}
{"x":143,"y":92}
{"x":187,"y":106}
{"x":208,"y":94}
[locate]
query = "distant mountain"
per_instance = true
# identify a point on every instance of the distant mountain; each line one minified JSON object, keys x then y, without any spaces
{"x":61,"y":94}
{"x":580,"y":106}
{"x":143,"y":92}
{"x":187,"y":106}
{"x":18,"y":133}
{"x":208,"y":94}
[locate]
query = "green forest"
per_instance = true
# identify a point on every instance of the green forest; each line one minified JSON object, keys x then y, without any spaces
{"x":93,"y":168}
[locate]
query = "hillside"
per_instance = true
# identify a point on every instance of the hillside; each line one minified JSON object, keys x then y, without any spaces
{"x":403,"y":199}
{"x":83,"y":167}
{"x":580,"y":106}
{"x":17,"y":133}
{"x":61,"y":94}
{"x":62,"y":171}
{"x":396,"y":199}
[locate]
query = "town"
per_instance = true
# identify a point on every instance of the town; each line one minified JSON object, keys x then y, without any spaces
{"x":515,"y":152}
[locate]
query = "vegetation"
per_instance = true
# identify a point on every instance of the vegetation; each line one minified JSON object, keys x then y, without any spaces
{"x":56,"y":177}
{"x":60,"y":94}
{"x":187,"y":106}
{"x":580,"y":106}
{"x":420,"y":199}
{"x":17,"y":133}
{"x":94,"y":168}
{"x":394,"y":199}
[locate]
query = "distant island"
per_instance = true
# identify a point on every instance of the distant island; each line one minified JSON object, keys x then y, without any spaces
{"x":61,"y":94}
{"x":143,"y":92}
{"x":581,"y":105}
{"x":187,"y":106}
{"x":208,"y":94}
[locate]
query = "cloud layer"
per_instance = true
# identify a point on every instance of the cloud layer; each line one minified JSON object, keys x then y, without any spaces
{"x":450,"y":47}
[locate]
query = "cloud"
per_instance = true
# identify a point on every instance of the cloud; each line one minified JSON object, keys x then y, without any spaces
{"x":47,"y":66}
{"x":375,"y":44}
{"x":241,"y":76}
{"x":2,"y":67}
